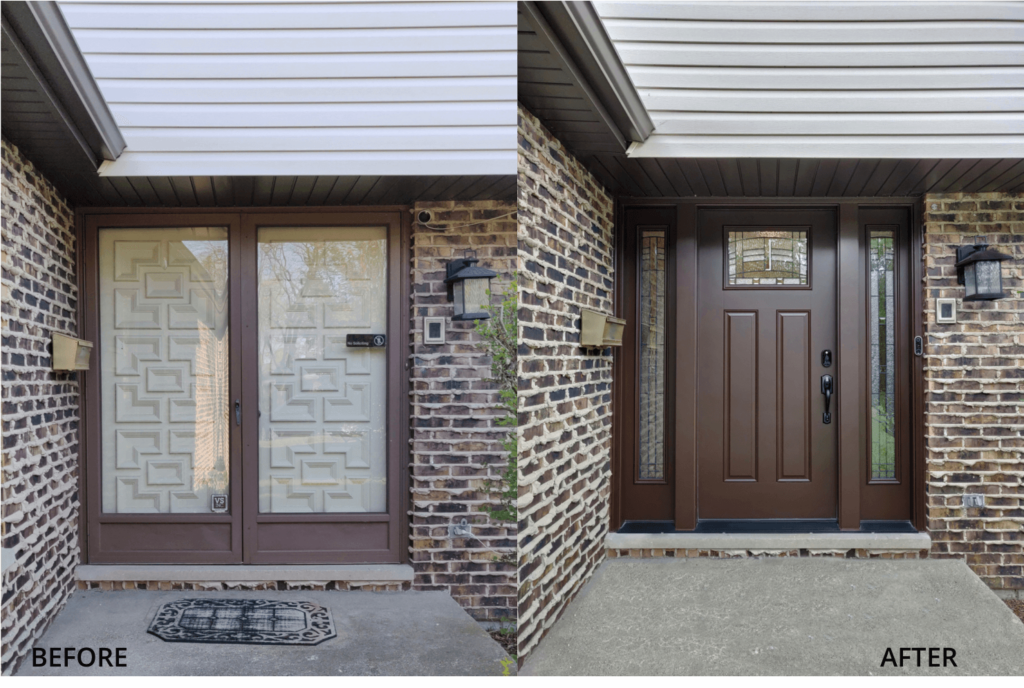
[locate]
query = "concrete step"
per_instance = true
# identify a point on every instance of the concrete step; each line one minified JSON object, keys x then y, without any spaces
{"x":166,"y":576}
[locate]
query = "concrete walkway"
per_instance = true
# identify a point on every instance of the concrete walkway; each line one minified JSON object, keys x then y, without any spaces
{"x":780,"y":616}
{"x":404,"y":633}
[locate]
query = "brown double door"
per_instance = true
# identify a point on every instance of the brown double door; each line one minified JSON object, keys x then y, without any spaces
{"x":245,"y":403}
{"x":766,"y":346}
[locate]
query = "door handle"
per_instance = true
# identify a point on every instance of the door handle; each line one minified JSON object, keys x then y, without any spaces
{"x":238,"y":411}
{"x":827,"y":388}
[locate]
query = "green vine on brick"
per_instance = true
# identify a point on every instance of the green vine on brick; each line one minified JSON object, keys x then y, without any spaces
{"x":498,"y":335}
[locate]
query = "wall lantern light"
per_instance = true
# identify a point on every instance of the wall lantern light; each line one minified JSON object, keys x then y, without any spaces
{"x":978,"y":269}
{"x":468,"y":285}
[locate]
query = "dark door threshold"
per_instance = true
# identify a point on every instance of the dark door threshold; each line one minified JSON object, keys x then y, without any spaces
{"x":766,"y":526}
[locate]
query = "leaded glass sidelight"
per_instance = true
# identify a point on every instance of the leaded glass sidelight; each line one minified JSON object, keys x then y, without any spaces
{"x":882,"y":340}
{"x":767,"y":258}
{"x":652,"y":355}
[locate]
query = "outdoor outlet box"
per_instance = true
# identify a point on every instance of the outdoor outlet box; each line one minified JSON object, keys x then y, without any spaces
{"x":600,"y":330}
{"x":70,"y":353}
{"x":974,"y":501}
{"x":459,"y":530}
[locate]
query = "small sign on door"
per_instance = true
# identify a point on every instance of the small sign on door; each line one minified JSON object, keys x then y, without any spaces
{"x":365,"y":340}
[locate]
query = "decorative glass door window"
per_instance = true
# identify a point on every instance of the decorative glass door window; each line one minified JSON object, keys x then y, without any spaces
{"x":767,"y":258}
{"x":652,"y":355}
{"x":322,"y":422}
{"x":882,"y":343}
{"x":164,"y":369}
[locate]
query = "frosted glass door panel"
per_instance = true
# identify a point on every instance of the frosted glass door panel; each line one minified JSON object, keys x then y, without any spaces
{"x":322,"y":403}
{"x":164,"y":369}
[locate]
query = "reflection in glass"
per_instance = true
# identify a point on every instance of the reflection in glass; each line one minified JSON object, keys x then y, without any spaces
{"x":652,"y":355}
{"x":322,"y":424}
{"x":767,"y":257}
{"x":164,"y":369}
{"x":882,"y":338}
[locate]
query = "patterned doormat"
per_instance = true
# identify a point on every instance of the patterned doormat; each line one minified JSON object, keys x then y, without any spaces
{"x":246,"y":622}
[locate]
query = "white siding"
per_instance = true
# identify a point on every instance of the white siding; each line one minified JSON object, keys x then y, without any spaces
{"x":281,"y":88}
{"x":829,"y":79}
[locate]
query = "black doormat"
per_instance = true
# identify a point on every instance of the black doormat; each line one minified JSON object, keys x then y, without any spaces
{"x":245,"y":622}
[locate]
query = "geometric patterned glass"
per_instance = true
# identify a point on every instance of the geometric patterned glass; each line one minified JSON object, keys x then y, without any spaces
{"x":164,"y":363}
{"x":652,"y":356}
{"x":322,"y":424}
{"x":882,"y":346}
{"x":767,"y":258}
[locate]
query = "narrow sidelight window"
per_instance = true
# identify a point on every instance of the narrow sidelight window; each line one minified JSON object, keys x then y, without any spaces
{"x":652,"y":355}
{"x":882,"y":341}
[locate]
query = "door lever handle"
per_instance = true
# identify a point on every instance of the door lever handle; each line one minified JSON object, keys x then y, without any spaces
{"x":238,"y":411}
{"x":827,"y":388}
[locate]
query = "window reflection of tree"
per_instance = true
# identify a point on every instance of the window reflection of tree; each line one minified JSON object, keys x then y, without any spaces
{"x":208,"y":265}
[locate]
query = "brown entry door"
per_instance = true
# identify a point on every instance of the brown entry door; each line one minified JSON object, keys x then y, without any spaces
{"x":766,"y":313}
{"x":245,"y":406}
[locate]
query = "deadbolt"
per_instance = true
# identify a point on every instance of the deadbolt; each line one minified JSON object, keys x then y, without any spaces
{"x":826,"y":358}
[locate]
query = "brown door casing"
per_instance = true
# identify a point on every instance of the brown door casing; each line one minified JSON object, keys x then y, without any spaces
{"x":763,"y":448}
{"x":857,"y":496}
{"x":242,"y":535}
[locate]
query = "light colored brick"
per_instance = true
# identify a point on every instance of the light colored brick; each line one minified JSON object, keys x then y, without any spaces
{"x":565,"y":263}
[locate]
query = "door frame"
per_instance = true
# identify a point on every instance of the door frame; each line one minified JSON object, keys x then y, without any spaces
{"x":236,"y":218}
{"x":851,"y":317}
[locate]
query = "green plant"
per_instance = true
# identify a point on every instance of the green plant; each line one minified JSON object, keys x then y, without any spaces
{"x":498,"y":336}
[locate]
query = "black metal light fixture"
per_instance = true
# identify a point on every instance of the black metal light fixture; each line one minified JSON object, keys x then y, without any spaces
{"x":468,"y":286}
{"x":978,"y":269}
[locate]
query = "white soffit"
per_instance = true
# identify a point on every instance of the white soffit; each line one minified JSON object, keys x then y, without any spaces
{"x":292,"y":88}
{"x":825,"y":79}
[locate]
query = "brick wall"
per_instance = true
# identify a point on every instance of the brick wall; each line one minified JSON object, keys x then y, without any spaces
{"x":40,"y":407}
{"x":565,"y":263}
{"x":974,"y":377}
{"x":456,"y":445}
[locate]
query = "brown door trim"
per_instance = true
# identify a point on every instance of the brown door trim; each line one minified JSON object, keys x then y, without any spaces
{"x":853,"y":444}
{"x":918,"y":455}
{"x":92,"y":521}
{"x":850,"y":320}
{"x":685,"y":345}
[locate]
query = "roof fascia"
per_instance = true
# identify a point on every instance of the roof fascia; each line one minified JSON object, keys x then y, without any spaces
{"x":583,"y":35}
{"x":46,"y":38}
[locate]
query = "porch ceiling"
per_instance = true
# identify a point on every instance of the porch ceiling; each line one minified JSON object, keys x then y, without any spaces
{"x":796,"y":177}
{"x":185,"y":192}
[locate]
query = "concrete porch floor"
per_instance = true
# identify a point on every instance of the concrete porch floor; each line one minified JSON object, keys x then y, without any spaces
{"x":779,"y":616}
{"x":379,"y":634}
